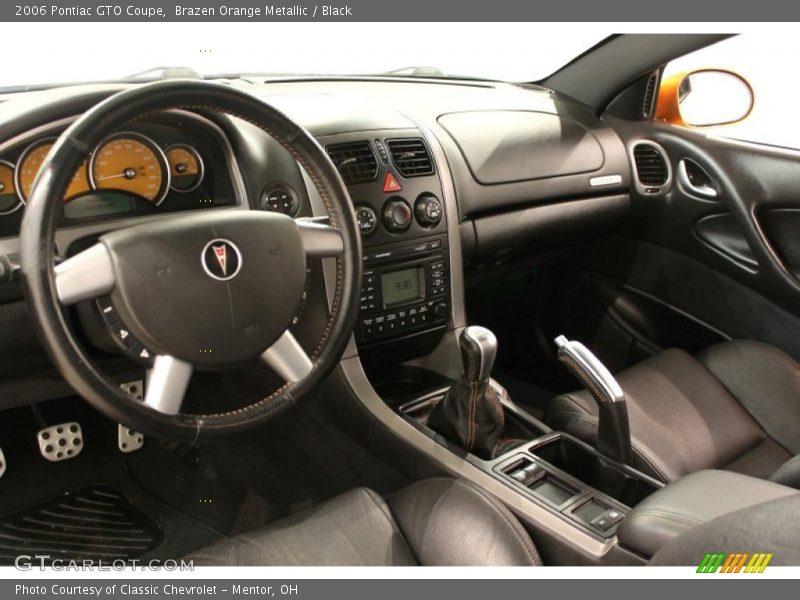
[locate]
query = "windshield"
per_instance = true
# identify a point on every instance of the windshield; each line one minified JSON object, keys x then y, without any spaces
{"x":79,"y":52}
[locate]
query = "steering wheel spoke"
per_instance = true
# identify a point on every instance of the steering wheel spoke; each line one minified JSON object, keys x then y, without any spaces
{"x":167,"y":381}
{"x":287,"y":358}
{"x":86,"y":275}
{"x":320,"y":240}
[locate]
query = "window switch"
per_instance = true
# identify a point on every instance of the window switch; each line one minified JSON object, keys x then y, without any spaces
{"x":528,"y":474}
{"x":608,"y":519}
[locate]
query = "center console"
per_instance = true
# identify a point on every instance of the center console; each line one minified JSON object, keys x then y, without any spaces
{"x":398,"y":200}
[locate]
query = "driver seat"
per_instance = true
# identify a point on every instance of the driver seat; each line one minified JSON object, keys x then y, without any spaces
{"x":442,"y":522}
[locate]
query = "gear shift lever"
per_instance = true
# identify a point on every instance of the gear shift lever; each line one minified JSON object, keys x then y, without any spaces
{"x":613,"y":435}
{"x":471,"y":413}
{"x":478,"y":352}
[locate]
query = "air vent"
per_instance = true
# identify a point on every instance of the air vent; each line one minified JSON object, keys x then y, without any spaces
{"x":651,"y":165}
{"x":649,"y":96}
{"x":410,"y":156}
{"x":356,"y":162}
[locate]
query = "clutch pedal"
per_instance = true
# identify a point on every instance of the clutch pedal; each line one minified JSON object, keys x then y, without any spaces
{"x":60,"y":442}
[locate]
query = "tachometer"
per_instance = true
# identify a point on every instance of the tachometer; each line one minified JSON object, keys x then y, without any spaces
{"x":130,"y":162}
{"x":31,"y":162}
{"x":185,"y":167}
{"x":9,"y":201}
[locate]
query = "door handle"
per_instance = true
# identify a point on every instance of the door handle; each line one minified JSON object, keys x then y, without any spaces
{"x":695,"y":180}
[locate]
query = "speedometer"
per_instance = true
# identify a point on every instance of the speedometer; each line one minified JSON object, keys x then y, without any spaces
{"x":30,"y":163}
{"x":130,"y":162}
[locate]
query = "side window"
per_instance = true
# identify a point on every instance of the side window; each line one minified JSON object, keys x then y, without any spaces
{"x":764,"y":62}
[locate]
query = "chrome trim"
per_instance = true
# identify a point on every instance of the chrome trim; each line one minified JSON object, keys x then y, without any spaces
{"x":591,"y":369}
{"x":705,"y":192}
{"x":19,"y":203}
{"x":84,"y":276}
{"x":167,"y":381}
{"x":200,"y":164}
{"x":207,"y":269}
{"x":605,"y":180}
{"x":640,"y":187}
{"x":486,"y":342}
{"x":287,"y":358}
{"x":23,"y":155}
{"x":319,"y":239}
{"x":125,"y":134}
{"x":458,"y":311}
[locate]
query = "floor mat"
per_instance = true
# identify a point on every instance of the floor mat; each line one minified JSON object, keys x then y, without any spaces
{"x":30,"y":480}
{"x":96,"y":522}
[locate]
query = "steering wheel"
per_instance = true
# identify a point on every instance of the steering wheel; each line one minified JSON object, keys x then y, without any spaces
{"x":206,"y":289}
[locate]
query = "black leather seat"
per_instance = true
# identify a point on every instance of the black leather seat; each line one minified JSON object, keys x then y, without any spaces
{"x":734,"y":406}
{"x":432,"y":522}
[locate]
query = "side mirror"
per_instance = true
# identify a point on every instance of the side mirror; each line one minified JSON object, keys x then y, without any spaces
{"x":704,"y":98}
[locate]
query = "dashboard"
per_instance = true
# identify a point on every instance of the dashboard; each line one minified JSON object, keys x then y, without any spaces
{"x":446,"y":179}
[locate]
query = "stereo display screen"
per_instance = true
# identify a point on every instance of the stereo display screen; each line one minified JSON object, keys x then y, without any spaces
{"x":400,"y":287}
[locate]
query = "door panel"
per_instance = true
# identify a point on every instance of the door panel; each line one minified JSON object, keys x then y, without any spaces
{"x":729,"y":260}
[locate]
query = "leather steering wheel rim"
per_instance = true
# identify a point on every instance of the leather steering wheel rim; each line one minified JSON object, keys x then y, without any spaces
{"x":38,"y":250}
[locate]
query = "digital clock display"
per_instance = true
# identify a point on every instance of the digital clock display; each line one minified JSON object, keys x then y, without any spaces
{"x":399,"y":287}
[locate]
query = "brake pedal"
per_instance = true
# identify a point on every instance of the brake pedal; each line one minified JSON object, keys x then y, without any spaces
{"x":129,"y":440}
{"x":60,"y":442}
{"x":134,"y":388}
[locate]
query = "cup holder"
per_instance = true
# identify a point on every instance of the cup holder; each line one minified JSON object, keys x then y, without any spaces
{"x":584,"y":463}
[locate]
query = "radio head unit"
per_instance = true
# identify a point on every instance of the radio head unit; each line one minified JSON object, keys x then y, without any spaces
{"x":405,"y":290}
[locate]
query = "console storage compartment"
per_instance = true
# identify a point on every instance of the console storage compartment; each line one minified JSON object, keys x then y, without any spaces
{"x":587,"y":465}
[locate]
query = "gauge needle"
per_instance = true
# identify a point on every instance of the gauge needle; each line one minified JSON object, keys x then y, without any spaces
{"x":127,"y":174}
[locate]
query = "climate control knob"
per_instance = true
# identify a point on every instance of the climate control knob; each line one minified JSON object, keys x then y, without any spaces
{"x":366,"y":219}
{"x":397,"y":215}
{"x":428,"y":210}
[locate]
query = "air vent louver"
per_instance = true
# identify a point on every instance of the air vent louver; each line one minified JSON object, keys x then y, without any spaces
{"x":410,"y":156}
{"x":356,"y":162}
{"x":649,"y":96}
{"x":651,"y":165}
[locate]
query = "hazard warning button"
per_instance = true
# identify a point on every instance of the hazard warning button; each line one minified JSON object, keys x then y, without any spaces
{"x":390,"y":184}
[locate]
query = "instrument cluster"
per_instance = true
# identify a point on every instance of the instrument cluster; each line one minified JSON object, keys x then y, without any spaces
{"x":152,"y":167}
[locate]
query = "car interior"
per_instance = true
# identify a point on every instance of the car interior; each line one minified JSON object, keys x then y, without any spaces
{"x":397,"y":320}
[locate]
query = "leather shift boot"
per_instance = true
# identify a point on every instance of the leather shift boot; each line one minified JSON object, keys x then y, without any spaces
{"x":470,"y":415}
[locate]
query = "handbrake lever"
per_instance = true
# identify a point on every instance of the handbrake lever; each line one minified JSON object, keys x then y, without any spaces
{"x":613,"y":435}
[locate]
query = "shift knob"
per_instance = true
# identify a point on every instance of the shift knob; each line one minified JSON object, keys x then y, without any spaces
{"x":478,"y":351}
